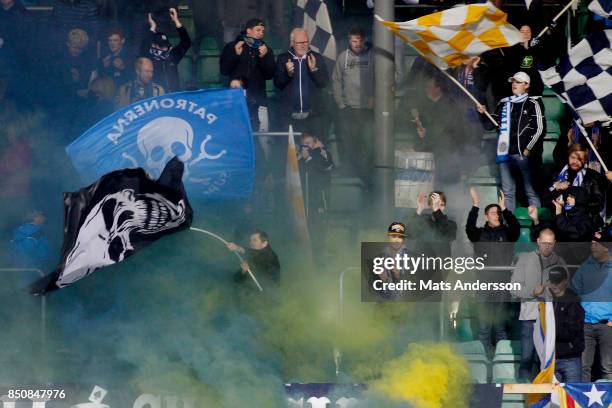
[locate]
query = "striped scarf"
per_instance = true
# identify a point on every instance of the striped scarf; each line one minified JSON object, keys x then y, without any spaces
{"x":503,"y":141}
{"x":564,"y":174}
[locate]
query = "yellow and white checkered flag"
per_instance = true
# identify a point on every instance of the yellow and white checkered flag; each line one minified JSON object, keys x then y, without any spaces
{"x":448,"y":37}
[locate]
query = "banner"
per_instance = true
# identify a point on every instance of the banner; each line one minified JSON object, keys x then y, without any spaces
{"x":113,"y":218}
{"x":208,"y":130}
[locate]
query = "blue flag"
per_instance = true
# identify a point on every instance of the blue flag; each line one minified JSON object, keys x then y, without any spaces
{"x":590,"y":395}
{"x":209,"y":131}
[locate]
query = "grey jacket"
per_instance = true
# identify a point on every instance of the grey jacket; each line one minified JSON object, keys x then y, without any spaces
{"x":353,"y":79}
{"x":529,"y":272}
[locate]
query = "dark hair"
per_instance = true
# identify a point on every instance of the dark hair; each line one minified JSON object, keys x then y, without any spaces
{"x":356,"y":31}
{"x":262,"y":235}
{"x":115,"y":30}
{"x":488,"y":207}
{"x":576,"y":147}
{"x":440,"y":193}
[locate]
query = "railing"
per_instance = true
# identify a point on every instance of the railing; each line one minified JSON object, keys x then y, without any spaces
{"x":442,"y":316}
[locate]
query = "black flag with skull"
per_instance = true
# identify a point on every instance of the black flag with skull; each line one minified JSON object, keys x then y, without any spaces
{"x":116,"y":216}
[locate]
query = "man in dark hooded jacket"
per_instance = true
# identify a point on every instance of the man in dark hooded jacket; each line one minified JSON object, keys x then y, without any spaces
{"x":573,"y":222}
{"x":489,"y":240}
{"x":301,"y":75}
{"x":261,"y":259}
{"x":576,"y":173}
{"x":165,"y":57}
{"x":250,"y":60}
{"x":569,"y":322}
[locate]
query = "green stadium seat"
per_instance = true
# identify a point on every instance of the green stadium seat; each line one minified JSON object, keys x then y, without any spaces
{"x":513,"y":404}
{"x":514,"y":398}
{"x":207,"y":70}
{"x":553,"y":108}
{"x":479,"y":372}
{"x":505,"y":372}
{"x":345,"y":195}
{"x":548,"y":148}
{"x":522,"y":215}
{"x":185,"y":71}
{"x":548,"y":92}
{"x":209,"y":47}
{"x":470,"y":348}
{"x":544,"y":213}
{"x":552,"y":127}
{"x":524,"y":236}
{"x":507,"y":350}
{"x":271,"y":89}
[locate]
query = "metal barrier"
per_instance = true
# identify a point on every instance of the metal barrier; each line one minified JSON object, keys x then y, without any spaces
{"x":43,"y":303}
{"x":442,"y":316}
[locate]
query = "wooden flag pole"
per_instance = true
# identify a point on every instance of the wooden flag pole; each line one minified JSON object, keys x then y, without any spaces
{"x":237,"y":254}
{"x":554,"y":20}
{"x":449,"y":76}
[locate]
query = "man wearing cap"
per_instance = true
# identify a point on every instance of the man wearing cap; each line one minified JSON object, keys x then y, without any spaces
{"x":521,"y":133}
{"x":156,"y":46}
{"x":396,"y":234}
{"x":569,"y":327}
{"x":248,"y":59}
{"x":593,"y":283}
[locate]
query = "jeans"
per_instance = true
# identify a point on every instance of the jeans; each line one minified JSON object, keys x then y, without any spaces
{"x":597,"y":335}
{"x":506,"y":169}
{"x":528,"y":354}
{"x":568,"y":370}
{"x":355,"y":141}
{"x":491,"y":316}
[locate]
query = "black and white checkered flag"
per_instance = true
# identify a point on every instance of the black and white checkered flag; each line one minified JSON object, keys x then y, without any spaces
{"x":583,"y":77}
{"x":313,"y":16}
{"x":601,"y":7}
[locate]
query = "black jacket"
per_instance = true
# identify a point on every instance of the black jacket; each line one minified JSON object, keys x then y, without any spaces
{"x":166,"y":71}
{"x":488,"y":239}
{"x":302,"y":91}
{"x":248,"y":67}
{"x":569,"y":324}
{"x":594,"y":184}
{"x":264,"y":264}
{"x":525,"y":59}
{"x":317,"y":171}
{"x":434,"y":227}
{"x":506,"y":232}
{"x":527,"y":125}
{"x":575,"y":225}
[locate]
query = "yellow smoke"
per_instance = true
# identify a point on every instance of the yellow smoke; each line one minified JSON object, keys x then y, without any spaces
{"x":426,"y":376}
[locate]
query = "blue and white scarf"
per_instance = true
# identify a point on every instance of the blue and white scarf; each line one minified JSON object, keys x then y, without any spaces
{"x":563,"y":176}
{"x":503,"y":141}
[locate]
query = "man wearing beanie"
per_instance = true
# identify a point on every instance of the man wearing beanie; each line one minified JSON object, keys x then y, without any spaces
{"x":249,"y":62}
{"x":165,"y":57}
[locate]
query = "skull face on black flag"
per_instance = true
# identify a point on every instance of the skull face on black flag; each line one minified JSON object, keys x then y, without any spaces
{"x":110,"y":220}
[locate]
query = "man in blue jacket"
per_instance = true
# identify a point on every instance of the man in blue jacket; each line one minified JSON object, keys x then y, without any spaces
{"x":593,"y":283}
{"x":301,"y":74}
